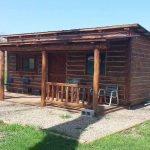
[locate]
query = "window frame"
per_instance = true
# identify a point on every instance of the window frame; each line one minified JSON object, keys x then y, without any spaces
{"x":19,"y":62}
{"x":92,"y":54}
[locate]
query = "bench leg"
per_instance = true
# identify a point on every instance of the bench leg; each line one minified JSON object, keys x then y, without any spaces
{"x":20,"y":90}
{"x":117,"y":100}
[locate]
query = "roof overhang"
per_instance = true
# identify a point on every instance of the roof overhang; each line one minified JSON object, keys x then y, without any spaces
{"x":89,"y":35}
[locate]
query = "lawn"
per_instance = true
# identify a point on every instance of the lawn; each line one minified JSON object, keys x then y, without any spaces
{"x":17,"y":137}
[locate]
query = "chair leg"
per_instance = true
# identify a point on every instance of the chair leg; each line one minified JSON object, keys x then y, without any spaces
{"x":105,"y":100}
{"x":110,"y":100}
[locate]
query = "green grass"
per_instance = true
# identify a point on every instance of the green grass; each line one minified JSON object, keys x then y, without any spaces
{"x":17,"y":137}
{"x":65,"y":116}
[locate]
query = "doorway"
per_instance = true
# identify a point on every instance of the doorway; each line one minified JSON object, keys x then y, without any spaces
{"x":57,"y":67}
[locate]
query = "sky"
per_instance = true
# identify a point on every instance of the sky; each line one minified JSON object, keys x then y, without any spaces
{"x":24,"y":16}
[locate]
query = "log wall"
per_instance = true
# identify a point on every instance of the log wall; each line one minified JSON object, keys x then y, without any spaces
{"x":140,"y":70}
{"x":116,"y":68}
{"x":35,"y":77}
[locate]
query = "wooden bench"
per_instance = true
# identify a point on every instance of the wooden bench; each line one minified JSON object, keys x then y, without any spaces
{"x":33,"y":89}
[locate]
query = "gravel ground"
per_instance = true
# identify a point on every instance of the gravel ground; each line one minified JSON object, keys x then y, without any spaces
{"x":72,"y":124}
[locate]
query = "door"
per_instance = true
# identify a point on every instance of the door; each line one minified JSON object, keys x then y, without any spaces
{"x":57,"y":67}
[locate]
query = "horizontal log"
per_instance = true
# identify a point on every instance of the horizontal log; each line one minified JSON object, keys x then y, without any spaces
{"x":21,"y":85}
{"x":52,"y":47}
{"x":59,"y":103}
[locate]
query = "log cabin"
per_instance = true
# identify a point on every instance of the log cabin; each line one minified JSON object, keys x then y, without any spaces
{"x":95,"y":57}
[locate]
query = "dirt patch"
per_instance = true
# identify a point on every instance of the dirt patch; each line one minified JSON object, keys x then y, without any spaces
{"x":132,"y":132}
{"x":1,"y":122}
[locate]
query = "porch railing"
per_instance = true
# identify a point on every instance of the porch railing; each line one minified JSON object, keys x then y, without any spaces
{"x":68,"y":94}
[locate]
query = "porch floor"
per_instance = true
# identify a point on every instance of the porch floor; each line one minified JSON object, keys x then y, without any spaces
{"x":36,"y":101}
{"x":23,"y":98}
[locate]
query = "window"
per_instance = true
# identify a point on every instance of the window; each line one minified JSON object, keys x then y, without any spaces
{"x":25,"y":63}
{"x":90,"y":64}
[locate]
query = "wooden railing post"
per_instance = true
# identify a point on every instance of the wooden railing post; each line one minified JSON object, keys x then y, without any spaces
{"x":53,"y":92}
{"x":96,"y":78}
{"x":72,"y":94}
{"x":68,"y":94}
{"x":77,"y":96}
{"x":62,"y":90}
{"x":48,"y":91}
{"x":43,"y":84}
{"x":2,"y":75}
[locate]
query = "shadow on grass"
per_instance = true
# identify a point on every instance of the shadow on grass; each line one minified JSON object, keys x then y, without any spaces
{"x":73,"y":129}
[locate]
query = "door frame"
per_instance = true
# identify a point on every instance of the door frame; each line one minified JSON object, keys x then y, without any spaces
{"x":49,"y":64}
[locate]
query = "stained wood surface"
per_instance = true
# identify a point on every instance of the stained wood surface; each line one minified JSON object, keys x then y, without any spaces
{"x":107,"y":28}
{"x":116,"y":68}
{"x":55,"y":47}
{"x":96,"y":78}
{"x":57,"y":67}
{"x":140,"y":70}
{"x":74,"y":36}
{"x":35,"y":77}
{"x":67,"y":94}
{"x":1,"y":75}
{"x":44,"y":75}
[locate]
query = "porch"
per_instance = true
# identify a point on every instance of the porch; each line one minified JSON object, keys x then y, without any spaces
{"x":35,"y":100}
{"x":53,"y":87}
{"x":55,"y":73}
{"x":22,"y":98}
{"x":62,"y":93}
{"x":49,"y":60}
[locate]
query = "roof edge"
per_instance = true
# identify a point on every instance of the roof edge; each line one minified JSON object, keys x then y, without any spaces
{"x":77,"y":30}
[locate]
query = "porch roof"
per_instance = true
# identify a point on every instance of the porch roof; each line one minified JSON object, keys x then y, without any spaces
{"x":100,"y":34}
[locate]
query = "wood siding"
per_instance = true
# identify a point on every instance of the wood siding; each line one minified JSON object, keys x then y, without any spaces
{"x":116,"y":68}
{"x":140,"y":70}
{"x":35,"y":77}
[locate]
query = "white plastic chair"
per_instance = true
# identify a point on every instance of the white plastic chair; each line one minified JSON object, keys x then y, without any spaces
{"x":111,"y":91}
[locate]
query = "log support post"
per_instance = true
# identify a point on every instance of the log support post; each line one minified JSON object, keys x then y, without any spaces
{"x":96,"y":78}
{"x":2,"y":75}
{"x":43,"y":84}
